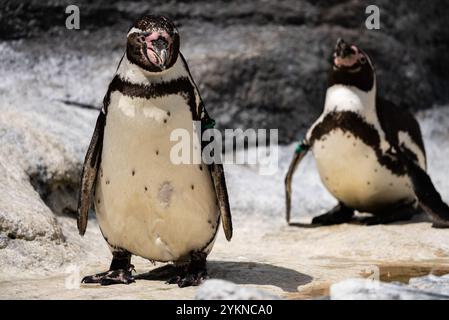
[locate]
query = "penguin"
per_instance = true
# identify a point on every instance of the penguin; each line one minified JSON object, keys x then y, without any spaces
{"x":145,"y":204}
{"x":369,"y":153}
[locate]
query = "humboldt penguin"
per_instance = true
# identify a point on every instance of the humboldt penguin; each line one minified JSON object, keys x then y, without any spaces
{"x":369,"y":153}
{"x":145,"y":203}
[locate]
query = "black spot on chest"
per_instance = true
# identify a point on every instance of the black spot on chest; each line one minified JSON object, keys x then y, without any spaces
{"x":351,"y":122}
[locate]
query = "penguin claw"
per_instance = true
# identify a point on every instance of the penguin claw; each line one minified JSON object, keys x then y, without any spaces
{"x":193,"y":273}
{"x":173,"y":280}
{"x":120,"y":276}
{"x":96,"y":278}
{"x":371,"y":221}
{"x":188,"y":280}
{"x":193,"y":280}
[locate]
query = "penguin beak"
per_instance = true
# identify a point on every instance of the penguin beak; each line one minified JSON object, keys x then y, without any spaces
{"x":161,"y":55}
{"x":160,"y":49}
{"x":157,"y":50}
{"x":342,"y":49}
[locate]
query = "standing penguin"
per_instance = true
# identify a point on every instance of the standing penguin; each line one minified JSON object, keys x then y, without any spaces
{"x":145,"y":204}
{"x":369,"y":153}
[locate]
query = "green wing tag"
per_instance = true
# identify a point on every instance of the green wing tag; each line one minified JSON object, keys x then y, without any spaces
{"x":302,"y":146}
{"x":209,"y":123}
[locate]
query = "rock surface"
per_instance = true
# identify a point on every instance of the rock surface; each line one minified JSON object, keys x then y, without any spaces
{"x":289,"y":262}
{"x":361,"y":289}
{"x":225,"y":290}
{"x":237,"y":49}
{"x":432,"y":283}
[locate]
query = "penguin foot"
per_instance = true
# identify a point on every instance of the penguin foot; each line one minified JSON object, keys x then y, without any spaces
{"x":189,"y":279}
{"x":339,"y":214}
{"x":400,"y":214}
{"x":119,"y":276}
{"x":440,"y":225}
{"x":193,"y":273}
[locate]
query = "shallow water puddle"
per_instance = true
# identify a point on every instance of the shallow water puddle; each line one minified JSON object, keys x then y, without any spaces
{"x":403,"y":273}
{"x":378,"y":271}
{"x":314,"y":291}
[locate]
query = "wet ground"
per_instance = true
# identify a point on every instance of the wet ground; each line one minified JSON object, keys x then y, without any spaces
{"x":294,"y":263}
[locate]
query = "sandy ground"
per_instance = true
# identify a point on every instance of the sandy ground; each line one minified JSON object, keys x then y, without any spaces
{"x":292,"y":262}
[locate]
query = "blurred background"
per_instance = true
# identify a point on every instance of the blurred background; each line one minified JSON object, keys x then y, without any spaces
{"x":258,"y":64}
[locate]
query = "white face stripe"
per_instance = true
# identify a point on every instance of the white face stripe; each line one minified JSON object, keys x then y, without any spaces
{"x":369,"y":61}
{"x":134,"y":30}
{"x":137,"y":30}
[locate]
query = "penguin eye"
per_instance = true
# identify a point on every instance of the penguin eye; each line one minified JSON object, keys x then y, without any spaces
{"x":362,"y":60}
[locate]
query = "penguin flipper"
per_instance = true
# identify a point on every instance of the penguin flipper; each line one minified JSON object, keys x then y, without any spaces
{"x":429,"y":198}
{"x":89,"y":174}
{"x":218,"y":178}
{"x":215,"y":169}
{"x":300,"y":152}
{"x":394,"y":119}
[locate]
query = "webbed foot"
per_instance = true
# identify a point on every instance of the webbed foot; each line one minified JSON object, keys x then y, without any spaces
{"x":120,"y":271}
{"x":120,"y":276}
{"x":193,"y":273}
{"x":337,"y":215}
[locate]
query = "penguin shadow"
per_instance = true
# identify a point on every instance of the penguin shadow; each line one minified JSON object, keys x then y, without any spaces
{"x":249,"y":273}
{"x":304,"y":225}
{"x":256,"y":273}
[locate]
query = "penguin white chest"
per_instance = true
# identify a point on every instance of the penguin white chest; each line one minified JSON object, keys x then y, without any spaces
{"x":351,"y":172}
{"x":145,"y":203}
{"x":348,"y":166}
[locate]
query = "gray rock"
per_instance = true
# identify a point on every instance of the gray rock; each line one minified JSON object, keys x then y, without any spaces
{"x":36,"y":147}
{"x":226,"y":290}
{"x":42,"y":147}
{"x":364,"y":289}
{"x":431,"y":283}
{"x":264,"y":63}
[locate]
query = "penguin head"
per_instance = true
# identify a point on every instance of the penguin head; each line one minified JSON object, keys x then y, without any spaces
{"x":351,"y":66}
{"x":153,"y":43}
